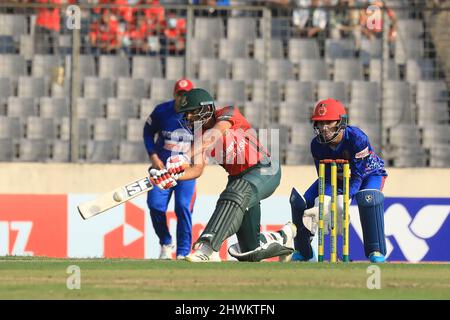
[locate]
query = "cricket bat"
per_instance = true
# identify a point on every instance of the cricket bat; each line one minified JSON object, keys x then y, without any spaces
{"x":113,"y":198}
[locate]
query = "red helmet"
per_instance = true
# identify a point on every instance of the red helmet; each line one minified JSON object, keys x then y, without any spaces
{"x":328,"y":109}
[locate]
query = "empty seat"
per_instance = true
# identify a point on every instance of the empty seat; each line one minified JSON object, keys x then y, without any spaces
{"x":420,"y":70}
{"x":209,"y":28}
{"x":370,"y":49}
{"x":101,"y":151}
{"x":146,"y":67}
{"x":83,"y":130}
{"x":404,"y":134}
{"x":6,"y":149}
{"x":406,"y":48}
{"x":300,"y":49}
{"x":121,"y":109}
{"x":98,"y":87}
{"x":254,"y":113}
{"x":213,"y":69}
{"x":364,"y":112}
{"x":13,"y":24}
{"x":229,"y":49}
{"x":201,"y":48}
{"x":45,"y":66}
{"x":277,"y":139}
{"x":30,"y":87}
{"x":440,"y":155}
{"x":106,"y":129}
{"x":375,"y":67}
{"x":266,"y":90}
{"x":437,"y":134}
{"x":298,"y":155}
{"x":26,"y":46}
{"x":301,"y":133}
{"x":33,"y":150}
{"x":113,"y":66}
{"x":338,"y":49}
{"x":54,"y":108}
{"x":410,"y":28}
{"x":128,"y":88}
{"x":86,"y":66}
{"x":294,"y":112}
{"x":395,"y":112}
{"x":313,"y":70}
{"x":431,"y":91}
{"x":40,"y":128}
{"x":231,"y":92}
{"x":12,"y":66}
{"x":59,"y":151}
{"x":365,"y":92}
{"x":6,"y":90}
{"x":242,"y":28}
{"x":135,"y":129}
{"x":433,"y":113}
{"x":204,"y":84}
{"x":406,"y":157}
{"x":147,"y":107}
{"x":60,"y":90}
{"x":274,"y":49}
{"x":246,"y":69}
{"x":279,"y":70}
{"x":300,"y":92}
{"x":174,"y":68}
{"x":89,"y":108}
{"x":162,"y":89}
{"x":21,"y":107}
{"x":10,"y":128}
{"x":331,"y":89}
{"x":132,"y":152}
{"x":348,"y":70}
{"x":373,"y":132}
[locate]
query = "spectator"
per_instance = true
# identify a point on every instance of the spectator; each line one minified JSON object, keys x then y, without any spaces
{"x":175,"y":34}
{"x":105,"y":35}
{"x":47,"y":28}
{"x":309,"y":22}
{"x":344,"y":21}
{"x":373,"y":29}
{"x":140,"y":37}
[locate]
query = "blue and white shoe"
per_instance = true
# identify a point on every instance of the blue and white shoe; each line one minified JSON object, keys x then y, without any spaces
{"x":297,"y":257}
{"x":377,"y":257}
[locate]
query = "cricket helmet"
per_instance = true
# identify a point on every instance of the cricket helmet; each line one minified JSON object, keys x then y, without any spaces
{"x":199,"y":102}
{"x":329,"y":110}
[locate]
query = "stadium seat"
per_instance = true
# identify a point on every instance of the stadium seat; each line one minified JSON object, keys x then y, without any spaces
{"x":26,"y":46}
{"x":213,"y":69}
{"x":300,"y":49}
{"x":90,"y":108}
{"x":45,"y":66}
{"x":209,"y":28}
{"x":174,"y":68}
{"x":53,"y":108}
{"x":274,"y":49}
{"x":146,"y":68}
{"x":433,"y":113}
{"x":162,"y":89}
{"x":21,"y":107}
{"x":300,"y":92}
{"x":121,"y":109}
{"x":435,"y":135}
{"x":7,"y":45}
{"x":404,"y":134}
{"x":298,"y":155}
{"x":291,"y":112}
{"x":132,"y":152}
{"x":231,"y":92}
{"x":365,"y":91}
{"x":104,"y":151}
{"x":431,"y":91}
{"x":6,"y":90}
{"x":280,"y":70}
{"x":375,"y":70}
{"x":422,"y":69}
{"x":331,"y":89}
{"x":135,"y":129}
{"x":128,"y":88}
{"x":301,"y":133}
{"x":6,"y":149}
{"x":348,"y":70}
{"x":59,"y":151}
{"x":364,"y":112}
{"x":87,"y":66}
{"x":339,"y":49}
{"x":313,"y":70}
{"x":440,"y":155}
{"x":260,"y":91}
{"x":84,"y":132}
{"x":204,"y":84}
{"x":230,"y":49}
{"x":40,"y":128}
{"x":33,"y":150}
{"x":98,"y":87}
{"x":241,"y":28}
{"x":10,"y":128}
{"x":246,"y":69}
{"x":106,"y":129}
{"x":147,"y":107}
{"x":30,"y":87}
{"x":406,"y":48}
{"x":12,"y":66}
{"x":254,"y":113}
{"x":370,"y":49}
{"x":397,"y":90}
{"x":410,"y":28}
{"x":113,"y":66}
{"x":396,"y":112}
{"x":13,"y":24}
{"x":61,"y":90}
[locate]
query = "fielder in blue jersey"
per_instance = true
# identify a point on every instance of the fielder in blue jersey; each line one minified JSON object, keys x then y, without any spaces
{"x":337,"y":140}
{"x":172,"y":139}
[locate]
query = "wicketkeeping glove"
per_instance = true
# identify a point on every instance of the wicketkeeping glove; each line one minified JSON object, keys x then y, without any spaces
{"x":162,"y":179}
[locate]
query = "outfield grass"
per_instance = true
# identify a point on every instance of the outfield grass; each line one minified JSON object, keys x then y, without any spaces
{"x":43,"y":278}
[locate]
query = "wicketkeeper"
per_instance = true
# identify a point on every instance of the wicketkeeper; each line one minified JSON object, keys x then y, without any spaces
{"x":337,"y":140}
{"x":224,"y":136}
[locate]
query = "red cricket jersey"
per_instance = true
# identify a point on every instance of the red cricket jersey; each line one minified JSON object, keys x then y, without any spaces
{"x":239,"y":147}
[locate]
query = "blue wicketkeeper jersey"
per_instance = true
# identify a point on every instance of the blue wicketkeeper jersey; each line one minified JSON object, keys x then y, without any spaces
{"x":356,"y":148}
{"x":172,"y":138}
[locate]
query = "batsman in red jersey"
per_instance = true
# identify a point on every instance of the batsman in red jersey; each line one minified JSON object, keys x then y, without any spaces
{"x":225,"y":137}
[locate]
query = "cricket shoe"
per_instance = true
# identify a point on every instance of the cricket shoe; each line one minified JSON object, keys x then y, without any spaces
{"x":377,"y":257}
{"x":166,"y":252}
{"x":288,"y":232}
{"x":203,"y":253}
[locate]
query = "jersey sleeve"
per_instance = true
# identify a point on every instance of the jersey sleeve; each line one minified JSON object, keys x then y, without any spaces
{"x":226,"y":114}
{"x":361,"y":153}
{"x":151,"y":127}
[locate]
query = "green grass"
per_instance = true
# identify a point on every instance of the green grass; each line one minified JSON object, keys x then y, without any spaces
{"x":43,"y":278}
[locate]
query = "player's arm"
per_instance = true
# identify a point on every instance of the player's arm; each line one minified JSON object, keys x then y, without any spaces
{"x":151,"y":127}
{"x":198,"y":157}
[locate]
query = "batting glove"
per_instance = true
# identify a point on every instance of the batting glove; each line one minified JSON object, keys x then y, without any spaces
{"x":176,"y":166}
{"x":162,"y":179}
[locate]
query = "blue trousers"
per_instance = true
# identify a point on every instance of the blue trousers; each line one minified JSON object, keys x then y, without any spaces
{"x":158,"y":200}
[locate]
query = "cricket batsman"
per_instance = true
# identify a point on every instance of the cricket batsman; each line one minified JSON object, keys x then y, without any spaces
{"x":172,"y":139}
{"x":337,"y":140}
{"x":224,"y":136}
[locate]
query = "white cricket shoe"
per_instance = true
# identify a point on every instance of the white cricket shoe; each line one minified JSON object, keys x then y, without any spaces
{"x":204,"y":253}
{"x":180,"y":257}
{"x":166,"y":252}
{"x":290,"y":231}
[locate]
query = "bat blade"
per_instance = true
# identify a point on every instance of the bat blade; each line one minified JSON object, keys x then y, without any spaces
{"x":113,"y":198}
